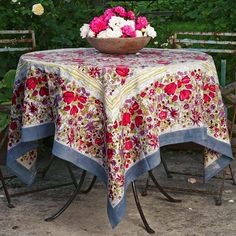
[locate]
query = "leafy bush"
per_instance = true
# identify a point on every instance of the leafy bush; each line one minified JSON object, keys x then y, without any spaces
{"x":6,"y":87}
{"x":58,"y":27}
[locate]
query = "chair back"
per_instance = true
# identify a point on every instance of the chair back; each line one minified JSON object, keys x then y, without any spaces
{"x":17,"y":40}
{"x":209,"y":42}
{"x":12,"y":41}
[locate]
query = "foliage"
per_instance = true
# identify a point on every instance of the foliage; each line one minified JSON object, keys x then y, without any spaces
{"x":6,"y":87}
{"x":59,"y":26}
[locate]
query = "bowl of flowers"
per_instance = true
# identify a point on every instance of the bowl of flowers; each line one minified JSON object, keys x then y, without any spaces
{"x":118,"y":31}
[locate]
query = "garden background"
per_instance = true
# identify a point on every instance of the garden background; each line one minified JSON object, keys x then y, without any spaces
{"x":59,"y":26}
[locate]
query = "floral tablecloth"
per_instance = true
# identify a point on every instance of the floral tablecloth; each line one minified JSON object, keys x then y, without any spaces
{"x":110,"y":114}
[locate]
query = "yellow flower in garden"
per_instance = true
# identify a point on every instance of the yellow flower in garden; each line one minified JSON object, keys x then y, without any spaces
{"x":38,"y":9}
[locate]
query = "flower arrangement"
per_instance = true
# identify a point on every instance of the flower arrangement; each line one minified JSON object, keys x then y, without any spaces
{"x":118,"y":23}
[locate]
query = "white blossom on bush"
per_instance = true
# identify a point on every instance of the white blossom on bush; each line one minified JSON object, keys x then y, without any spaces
{"x":38,"y":9}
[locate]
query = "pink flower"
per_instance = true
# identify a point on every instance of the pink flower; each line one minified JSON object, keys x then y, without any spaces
{"x":108,"y":14}
{"x":109,"y":137}
{"x":186,"y":80}
{"x":126,"y":119}
{"x":128,"y":145}
{"x":31,"y":83}
{"x":163,"y":115}
{"x":68,"y":97}
{"x":82,"y":99}
{"x":13,"y":125}
{"x":206,"y":98}
{"x":43,"y":91}
{"x":184,"y":94}
{"x":127,"y":30}
{"x":120,"y":11}
{"x":110,"y":153}
{"x":212,"y":88}
{"x":98,"y":24}
{"x":122,"y":71}
{"x":131,"y":15}
{"x":141,"y":23}
{"x":138,"y":121}
{"x":98,"y":141}
{"x":170,"y":88}
{"x":74,"y":110}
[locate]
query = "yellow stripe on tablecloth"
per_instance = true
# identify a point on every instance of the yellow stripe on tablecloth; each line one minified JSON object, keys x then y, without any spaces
{"x":111,"y":101}
{"x":74,"y":73}
{"x":134,"y":82}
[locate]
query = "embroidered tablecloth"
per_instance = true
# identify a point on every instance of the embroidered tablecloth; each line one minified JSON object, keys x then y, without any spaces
{"x":110,"y":114}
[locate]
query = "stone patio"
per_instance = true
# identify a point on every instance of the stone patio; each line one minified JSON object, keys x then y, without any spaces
{"x":196,"y":215}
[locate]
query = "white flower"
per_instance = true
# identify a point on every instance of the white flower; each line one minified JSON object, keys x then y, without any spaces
{"x":150,"y":31}
{"x":102,"y":34}
{"x":84,"y":30}
{"x":109,"y":33}
{"x":38,"y":9}
{"x":117,"y":22}
{"x":131,"y":23}
{"x":139,"y":33}
{"x":14,"y":1}
{"x":116,"y":33}
{"x":91,"y":34}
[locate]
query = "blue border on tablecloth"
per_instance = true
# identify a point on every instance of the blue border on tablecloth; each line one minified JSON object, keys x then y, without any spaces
{"x":38,"y":132}
{"x":197,"y":135}
{"x":27,"y":176}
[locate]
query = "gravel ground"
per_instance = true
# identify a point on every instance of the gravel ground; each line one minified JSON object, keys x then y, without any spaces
{"x":196,"y":215}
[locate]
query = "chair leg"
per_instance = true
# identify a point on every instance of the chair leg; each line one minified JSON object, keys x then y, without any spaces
{"x":218,"y":200}
{"x":169,"y":198}
{"x":70,"y":200}
{"x":10,"y":205}
{"x":166,"y":168}
{"x":90,"y":186}
{"x":147,"y":227}
{"x":232,"y":174}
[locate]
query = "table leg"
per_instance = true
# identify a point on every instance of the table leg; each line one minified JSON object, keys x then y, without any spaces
{"x":70,"y":200}
{"x":169,"y":198}
{"x":10,"y":205}
{"x":147,"y":227}
{"x":90,"y":186}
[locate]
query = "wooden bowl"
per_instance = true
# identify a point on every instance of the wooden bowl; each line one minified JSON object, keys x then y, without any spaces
{"x":119,"y":45}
